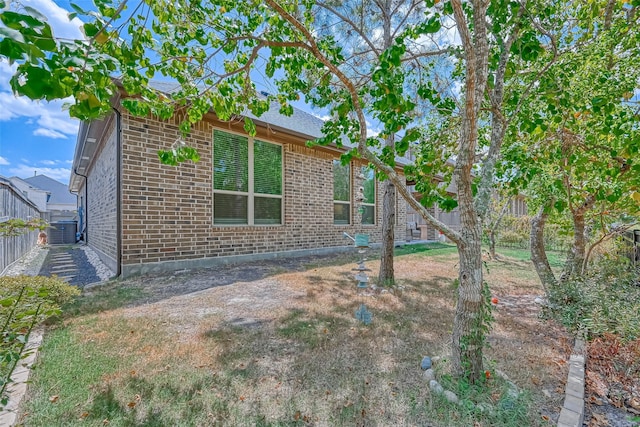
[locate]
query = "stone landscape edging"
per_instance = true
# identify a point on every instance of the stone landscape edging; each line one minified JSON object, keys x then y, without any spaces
{"x":18,"y":386}
{"x":572,"y":413}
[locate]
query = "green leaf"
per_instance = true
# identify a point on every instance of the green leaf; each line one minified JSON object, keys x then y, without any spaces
{"x":560,"y":205}
{"x":249,"y":126}
{"x":90,"y":29}
{"x":34,"y":13}
{"x":12,"y":34}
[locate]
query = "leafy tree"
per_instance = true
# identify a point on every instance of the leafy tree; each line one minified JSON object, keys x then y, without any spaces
{"x":17,"y":226}
{"x":575,"y":144}
{"x":218,"y":45}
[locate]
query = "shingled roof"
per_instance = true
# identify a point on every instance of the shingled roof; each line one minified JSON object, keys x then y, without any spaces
{"x":300,"y":122}
{"x":59,"y":192}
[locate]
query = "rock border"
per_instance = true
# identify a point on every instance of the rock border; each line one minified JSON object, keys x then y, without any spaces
{"x":572,"y":413}
{"x":19,"y":379}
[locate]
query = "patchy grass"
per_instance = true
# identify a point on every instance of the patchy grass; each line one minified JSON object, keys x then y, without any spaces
{"x":556,"y":258}
{"x":286,"y":350}
{"x":429,"y":249}
{"x":103,"y":298}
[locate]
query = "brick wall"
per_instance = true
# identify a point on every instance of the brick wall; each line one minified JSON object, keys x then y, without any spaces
{"x":167,"y":213}
{"x":101,"y":216}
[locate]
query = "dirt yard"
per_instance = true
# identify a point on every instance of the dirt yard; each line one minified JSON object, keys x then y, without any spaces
{"x":295,"y":332}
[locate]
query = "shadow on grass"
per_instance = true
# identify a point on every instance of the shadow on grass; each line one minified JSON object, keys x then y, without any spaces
{"x":308,"y":363}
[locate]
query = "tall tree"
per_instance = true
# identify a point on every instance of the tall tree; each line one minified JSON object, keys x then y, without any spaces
{"x":576,"y":141}
{"x":218,"y":44}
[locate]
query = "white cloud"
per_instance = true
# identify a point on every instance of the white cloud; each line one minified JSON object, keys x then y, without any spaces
{"x":6,"y":72}
{"x":49,"y":162}
{"x":26,"y":171}
{"x":51,"y":120}
{"x":3,"y":161}
{"x":49,"y":116}
{"x":324,"y":117}
{"x":49,"y":133}
{"x":58,"y":19}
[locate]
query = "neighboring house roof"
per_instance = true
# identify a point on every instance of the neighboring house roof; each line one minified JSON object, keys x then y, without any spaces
{"x":59,"y":192}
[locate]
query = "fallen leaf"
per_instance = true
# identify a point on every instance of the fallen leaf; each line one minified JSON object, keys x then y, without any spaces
{"x":241,"y":398}
{"x":598,"y":420}
{"x":105,"y":422}
{"x":535,"y":380}
{"x":545,"y":418}
{"x":296,"y":416}
{"x":54,"y":398}
{"x":132,"y":404}
{"x":84,"y":415}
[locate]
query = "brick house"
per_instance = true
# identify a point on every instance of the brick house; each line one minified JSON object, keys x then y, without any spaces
{"x":247,"y":198}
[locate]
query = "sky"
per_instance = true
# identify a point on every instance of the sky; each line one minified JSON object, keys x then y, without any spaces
{"x":38,"y":137}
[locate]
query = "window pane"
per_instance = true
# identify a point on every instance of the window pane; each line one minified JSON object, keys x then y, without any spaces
{"x":341,"y":181}
{"x":229,"y":209}
{"x":368,"y":214}
{"x":230,"y":162}
{"x":267,"y":174}
{"x":369,"y":185}
{"x":267,"y":210}
{"x":341,"y":213}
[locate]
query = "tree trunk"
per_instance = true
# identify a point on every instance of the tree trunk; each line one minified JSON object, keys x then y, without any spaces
{"x":576,"y":257}
{"x":469,"y":323}
{"x":579,"y":243}
{"x":538,"y":253}
{"x":386,"y":276}
{"x":494,"y":228}
{"x":468,"y":332}
{"x":492,"y":243}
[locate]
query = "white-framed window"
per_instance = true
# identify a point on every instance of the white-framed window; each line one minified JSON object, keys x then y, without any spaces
{"x":341,"y":193}
{"x":247,"y":180}
{"x":368,"y":206}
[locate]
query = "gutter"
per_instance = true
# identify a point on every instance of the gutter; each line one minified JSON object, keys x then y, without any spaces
{"x":86,"y":203}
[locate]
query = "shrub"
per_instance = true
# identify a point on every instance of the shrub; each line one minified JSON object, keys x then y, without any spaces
{"x":605,"y":300}
{"x":26,"y":301}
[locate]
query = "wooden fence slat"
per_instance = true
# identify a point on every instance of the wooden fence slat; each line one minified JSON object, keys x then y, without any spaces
{"x":13,"y":205}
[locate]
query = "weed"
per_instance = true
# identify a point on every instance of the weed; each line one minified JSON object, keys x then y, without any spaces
{"x":606,"y":300}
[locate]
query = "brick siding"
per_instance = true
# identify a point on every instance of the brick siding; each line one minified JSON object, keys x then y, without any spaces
{"x":102,"y":210}
{"x":167,"y":212}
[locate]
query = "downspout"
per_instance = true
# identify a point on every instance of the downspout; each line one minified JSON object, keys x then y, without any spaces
{"x":80,"y":214}
{"x":118,"y":192}
{"x":86,"y":203}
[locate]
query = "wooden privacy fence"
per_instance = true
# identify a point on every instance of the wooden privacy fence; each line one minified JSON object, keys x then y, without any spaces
{"x":14,"y":205}
{"x":631,"y":246}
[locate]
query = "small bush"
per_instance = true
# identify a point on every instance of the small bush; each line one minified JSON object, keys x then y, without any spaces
{"x":26,"y":302}
{"x":606,"y":300}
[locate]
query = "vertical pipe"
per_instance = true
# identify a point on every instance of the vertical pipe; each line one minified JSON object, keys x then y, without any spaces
{"x":118,"y":192}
